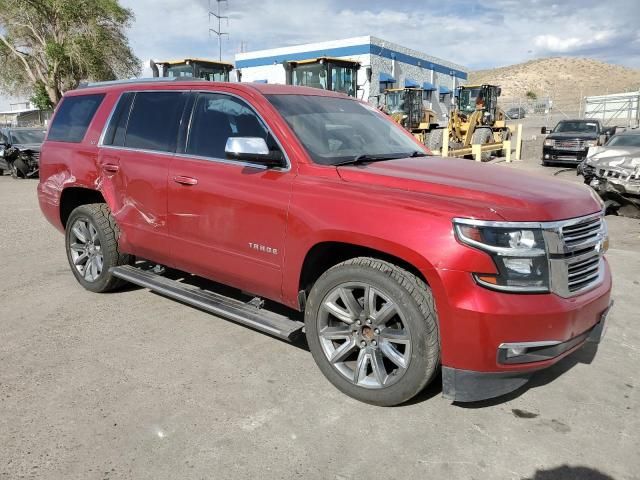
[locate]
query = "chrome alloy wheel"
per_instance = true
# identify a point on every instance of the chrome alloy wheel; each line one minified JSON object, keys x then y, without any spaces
{"x":85,"y":249}
{"x":364,"y":335}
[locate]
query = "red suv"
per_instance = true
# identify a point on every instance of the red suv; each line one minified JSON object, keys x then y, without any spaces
{"x":403,"y":263}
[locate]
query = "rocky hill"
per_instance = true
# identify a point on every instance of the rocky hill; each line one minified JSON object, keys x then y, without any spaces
{"x":563,"y":79}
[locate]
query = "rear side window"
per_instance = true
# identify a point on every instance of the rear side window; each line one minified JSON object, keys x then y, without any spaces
{"x":118,"y":124}
{"x":73,"y":117}
{"x":154,"y":121}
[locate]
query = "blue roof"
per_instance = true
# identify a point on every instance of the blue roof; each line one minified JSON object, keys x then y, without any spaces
{"x":443,"y":90}
{"x":428,"y":86}
{"x":386,"y":78}
{"x":410,"y":83}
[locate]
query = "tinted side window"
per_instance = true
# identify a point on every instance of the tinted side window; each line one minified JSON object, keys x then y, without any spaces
{"x":154,"y":120}
{"x":217,"y":117}
{"x":73,"y":118}
{"x":118,"y":124}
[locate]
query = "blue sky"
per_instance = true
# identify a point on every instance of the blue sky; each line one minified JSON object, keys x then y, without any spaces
{"x":475,"y":34}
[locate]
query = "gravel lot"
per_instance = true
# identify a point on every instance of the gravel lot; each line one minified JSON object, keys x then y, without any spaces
{"x":132,"y":385}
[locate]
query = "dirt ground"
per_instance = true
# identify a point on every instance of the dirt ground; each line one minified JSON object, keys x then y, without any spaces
{"x":131,"y":385}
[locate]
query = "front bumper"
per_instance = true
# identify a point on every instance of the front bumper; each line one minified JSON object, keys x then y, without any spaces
{"x":475,"y":323}
{"x":550,"y":154}
{"x":470,"y":386}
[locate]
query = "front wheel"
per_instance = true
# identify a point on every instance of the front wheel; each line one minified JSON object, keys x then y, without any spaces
{"x":91,"y":241}
{"x":372,"y":330}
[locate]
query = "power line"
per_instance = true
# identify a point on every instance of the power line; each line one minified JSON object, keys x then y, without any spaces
{"x":218,"y":32}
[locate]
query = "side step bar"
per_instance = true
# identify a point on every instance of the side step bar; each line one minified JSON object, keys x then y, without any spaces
{"x":235,"y":310}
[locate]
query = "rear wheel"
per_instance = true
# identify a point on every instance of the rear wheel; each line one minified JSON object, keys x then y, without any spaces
{"x":372,"y":330}
{"x":482,"y":136}
{"x":92,"y":247}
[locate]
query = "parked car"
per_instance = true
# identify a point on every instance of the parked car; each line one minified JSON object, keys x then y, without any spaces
{"x":613,"y":170}
{"x":401,"y":262}
{"x":570,"y":140}
{"x":20,"y":151}
{"x":516,"y":112}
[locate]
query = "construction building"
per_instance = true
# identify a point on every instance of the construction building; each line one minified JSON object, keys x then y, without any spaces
{"x":383,"y":65}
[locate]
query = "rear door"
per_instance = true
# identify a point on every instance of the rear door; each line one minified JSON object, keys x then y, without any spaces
{"x":227,"y":219}
{"x":136,"y":151}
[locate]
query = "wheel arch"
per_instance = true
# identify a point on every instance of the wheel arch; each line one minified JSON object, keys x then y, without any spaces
{"x":73,"y":197}
{"x":325,"y":254}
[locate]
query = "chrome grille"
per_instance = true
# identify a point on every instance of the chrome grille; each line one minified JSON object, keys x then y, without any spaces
{"x":576,"y":249}
{"x":575,"y":144}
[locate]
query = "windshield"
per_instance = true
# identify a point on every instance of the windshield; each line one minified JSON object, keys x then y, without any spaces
{"x":578,"y":127}
{"x":469,"y":98}
{"x":395,"y":101}
{"x":26,"y":137}
{"x":181,"y":70}
{"x":334,"y":130}
{"x":624,"y":141}
{"x":343,"y":79}
{"x":213,"y":74}
{"x":312,"y":75}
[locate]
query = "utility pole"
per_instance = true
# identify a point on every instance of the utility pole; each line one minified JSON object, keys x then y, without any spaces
{"x":218,"y":32}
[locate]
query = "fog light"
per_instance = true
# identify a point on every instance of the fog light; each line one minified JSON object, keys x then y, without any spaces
{"x":516,"y":351}
{"x":546,"y":156}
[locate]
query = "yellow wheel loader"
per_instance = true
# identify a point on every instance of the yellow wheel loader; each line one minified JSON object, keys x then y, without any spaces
{"x":328,"y":73}
{"x":476,"y":119}
{"x":406,"y":107}
{"x":192,"y":68}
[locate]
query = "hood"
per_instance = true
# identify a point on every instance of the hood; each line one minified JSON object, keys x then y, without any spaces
{"x":514,"y":195}
{"x":573,"y":135}
{"x":622,"y":159}
{"x":596,"y":154}
{"x":34,"y":147}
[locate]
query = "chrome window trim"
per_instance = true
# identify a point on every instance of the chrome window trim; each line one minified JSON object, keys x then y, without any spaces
{"x":225,"y":161}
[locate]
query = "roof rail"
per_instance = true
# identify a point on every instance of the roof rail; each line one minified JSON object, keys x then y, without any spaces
{"x":138,"y":80}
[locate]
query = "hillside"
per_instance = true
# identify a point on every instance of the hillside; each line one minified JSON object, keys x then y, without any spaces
{"x":563,"y":79}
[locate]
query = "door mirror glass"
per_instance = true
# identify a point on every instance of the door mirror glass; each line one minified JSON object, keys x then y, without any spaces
{"x":252,"y":149}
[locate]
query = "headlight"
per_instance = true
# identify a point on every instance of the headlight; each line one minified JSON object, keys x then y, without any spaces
{"x":591,"y":143}
{"x":519,"y":254}
{"x":549,"y":142}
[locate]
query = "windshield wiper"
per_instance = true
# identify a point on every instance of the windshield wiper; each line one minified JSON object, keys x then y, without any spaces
{"x":366,"y":158}
{"x":418,"y":153}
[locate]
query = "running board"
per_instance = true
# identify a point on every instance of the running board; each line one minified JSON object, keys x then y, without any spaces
{"x":240,"y":312}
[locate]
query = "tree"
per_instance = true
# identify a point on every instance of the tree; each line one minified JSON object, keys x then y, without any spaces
{"x":49,"y":46}
{"x":531,"y":95}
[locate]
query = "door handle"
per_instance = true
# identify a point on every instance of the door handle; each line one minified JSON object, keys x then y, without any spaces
{"x":110,"y":168}
{"x":185,"y":180}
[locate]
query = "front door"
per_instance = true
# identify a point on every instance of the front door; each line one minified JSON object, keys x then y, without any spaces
{"x":227,"y":219}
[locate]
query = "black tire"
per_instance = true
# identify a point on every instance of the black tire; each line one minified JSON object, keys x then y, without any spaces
{"x":412,"y":298}
{"x":482,"y":136}
{"x":434,"y":140}
{"x":98,"y":215}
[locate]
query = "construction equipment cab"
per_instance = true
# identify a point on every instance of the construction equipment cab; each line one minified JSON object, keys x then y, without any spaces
{"x":406,"y":107}
{"x":324,"y":72}
{"x":476,"y":119}
{"x":192,"y":68}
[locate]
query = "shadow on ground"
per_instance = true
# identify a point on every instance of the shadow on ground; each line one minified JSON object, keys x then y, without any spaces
{"x":566,"y":472}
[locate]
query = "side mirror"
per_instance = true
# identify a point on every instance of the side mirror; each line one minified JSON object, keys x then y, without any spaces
{"x":545,"y":130}
{"x":252,"y":149}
